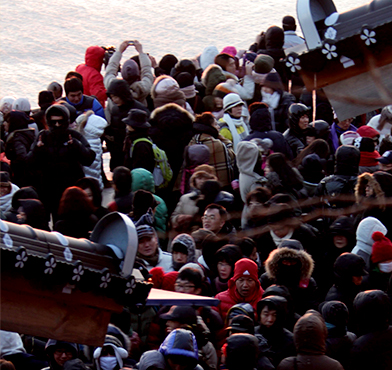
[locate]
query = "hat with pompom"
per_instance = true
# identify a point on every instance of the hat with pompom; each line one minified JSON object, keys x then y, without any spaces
{"x":382,"y":248}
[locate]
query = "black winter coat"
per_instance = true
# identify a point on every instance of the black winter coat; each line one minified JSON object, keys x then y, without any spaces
{"x":17,"y":148}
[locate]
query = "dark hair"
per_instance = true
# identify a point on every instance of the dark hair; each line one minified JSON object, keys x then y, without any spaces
{"x":255,"y":106}
{"x":73,"y":84}
{"x":142,"y":201}
{"x":71,"y":74}
{"x":185,"y":65}
{"x":230,"y":253}
{"x":92,"y":184}
{"x":223,"y":59}
{"x":247,"y":245}
{"x":289,"y":179}
{"x":192,"y":275}
{"x":222,"y":210}
{"x":318,"y":146}
{"x":55,"y":87}
{"x":122,"y":178}
{"x":75,"y":201}
{"x":261,"y":194}
{"x":6,"y":365}
{"x":206,"y":118}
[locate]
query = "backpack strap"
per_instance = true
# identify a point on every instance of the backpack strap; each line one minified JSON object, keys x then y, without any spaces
{"x":138,"y":141}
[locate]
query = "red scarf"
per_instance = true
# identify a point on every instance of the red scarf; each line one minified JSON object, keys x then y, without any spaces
{"x":369,"y":159}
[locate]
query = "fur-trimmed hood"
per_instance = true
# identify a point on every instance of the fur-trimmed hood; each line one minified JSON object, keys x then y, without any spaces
{"x":272,"y":262}
{"x":364,"y":180}
{"x":172,"y":117}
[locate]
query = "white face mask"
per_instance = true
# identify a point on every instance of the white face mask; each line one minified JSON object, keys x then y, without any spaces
{"x":385,"y":267}
{"x":271,"y":99}
{"x":108,"y":363}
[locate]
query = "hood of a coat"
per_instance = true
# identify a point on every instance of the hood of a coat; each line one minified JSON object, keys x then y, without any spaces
{"x":274,"y":38}
{"x":247,"y":156}
{"x":95,"y":126}
{"x":372,"y":311}
{"x":152,"y":358}
{"x":385,"y":181}
{"x":27,"y":192}
{"x":17,"y":121}
{"x":364,"y":180}
{"x":189,"y":243}
{"x":94,"y":57}
{"x":347,"y":160}
{"x":310,"y":333}
{"x":273,"y":262}
{"x":57,"y":110}
{"x":260,"y":120}
{"x":180,"y":342}
{"x":142,"y":179}
{"x":120,"y":88}
{"x":335,"y":313}
{"x":171,"y":117}
{"x":365,"y":230}
{"x":277,"y":303}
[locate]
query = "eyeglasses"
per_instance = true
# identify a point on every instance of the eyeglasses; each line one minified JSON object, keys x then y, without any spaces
{"x":205,"y":218}
{"x":185,"y":287}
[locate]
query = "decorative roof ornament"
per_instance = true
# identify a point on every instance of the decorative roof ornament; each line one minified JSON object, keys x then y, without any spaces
{"x":50,"y":264}
{"x":293,"y":63}
{"x":368,"y":36}
{"x":21,"y":257}
{"x":329,"y":50}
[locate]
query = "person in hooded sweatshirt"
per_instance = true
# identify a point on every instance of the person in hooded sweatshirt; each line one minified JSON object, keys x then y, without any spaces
{"x":59,"y":352}
{"x":349,"y":270}
{"x":17,"y":146}
{"x":121,"y":102}
{"x":373,"y":348}
{"x":92,"y":127}
{"x":298,"y":122}
{"x":271,"y":313}
{"x":244,"y":287}
{"x":180,"y":350}
{"x":183,"y":250}
{"x":32,"y":212}
{"x":340,"y":340}
{"x":261,"y":128}
{"x":342,"y":182}
{"x":310,"y":334}
{"x":59,"y":155}
{"x":289,"y":265}
{"x":12,"y":349}
{"x":91,"y":72}
{"x":27,"y":192}
{"x":365,"y":230}
{"x":249,"y":166}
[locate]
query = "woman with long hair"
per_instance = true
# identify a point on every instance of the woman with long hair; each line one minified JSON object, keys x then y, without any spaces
{"x":282,"y":178}
{"x":75,"y":212}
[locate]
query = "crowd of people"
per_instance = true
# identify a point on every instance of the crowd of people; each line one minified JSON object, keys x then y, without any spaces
{"x":239,"y":188}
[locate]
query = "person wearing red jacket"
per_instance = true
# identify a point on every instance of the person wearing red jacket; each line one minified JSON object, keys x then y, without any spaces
{"x":244,"y":287}
{"x":91,"y":72}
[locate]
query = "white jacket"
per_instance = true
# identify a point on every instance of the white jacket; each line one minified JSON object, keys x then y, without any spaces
{"x":92,"y":132}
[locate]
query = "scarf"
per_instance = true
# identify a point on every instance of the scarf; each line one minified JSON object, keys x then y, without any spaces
{"x":273,"y":102}
{"x":151,"y":260}
{"x":233,"y":123}
{"x":369,"y":159}
{"x":189,"y":91}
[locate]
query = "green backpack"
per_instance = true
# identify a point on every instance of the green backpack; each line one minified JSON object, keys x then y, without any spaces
{"x":162,"y":171}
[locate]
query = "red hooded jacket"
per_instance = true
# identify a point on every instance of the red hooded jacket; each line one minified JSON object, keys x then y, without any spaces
{"x":91,"y":72}
{"x":242,"y":268}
